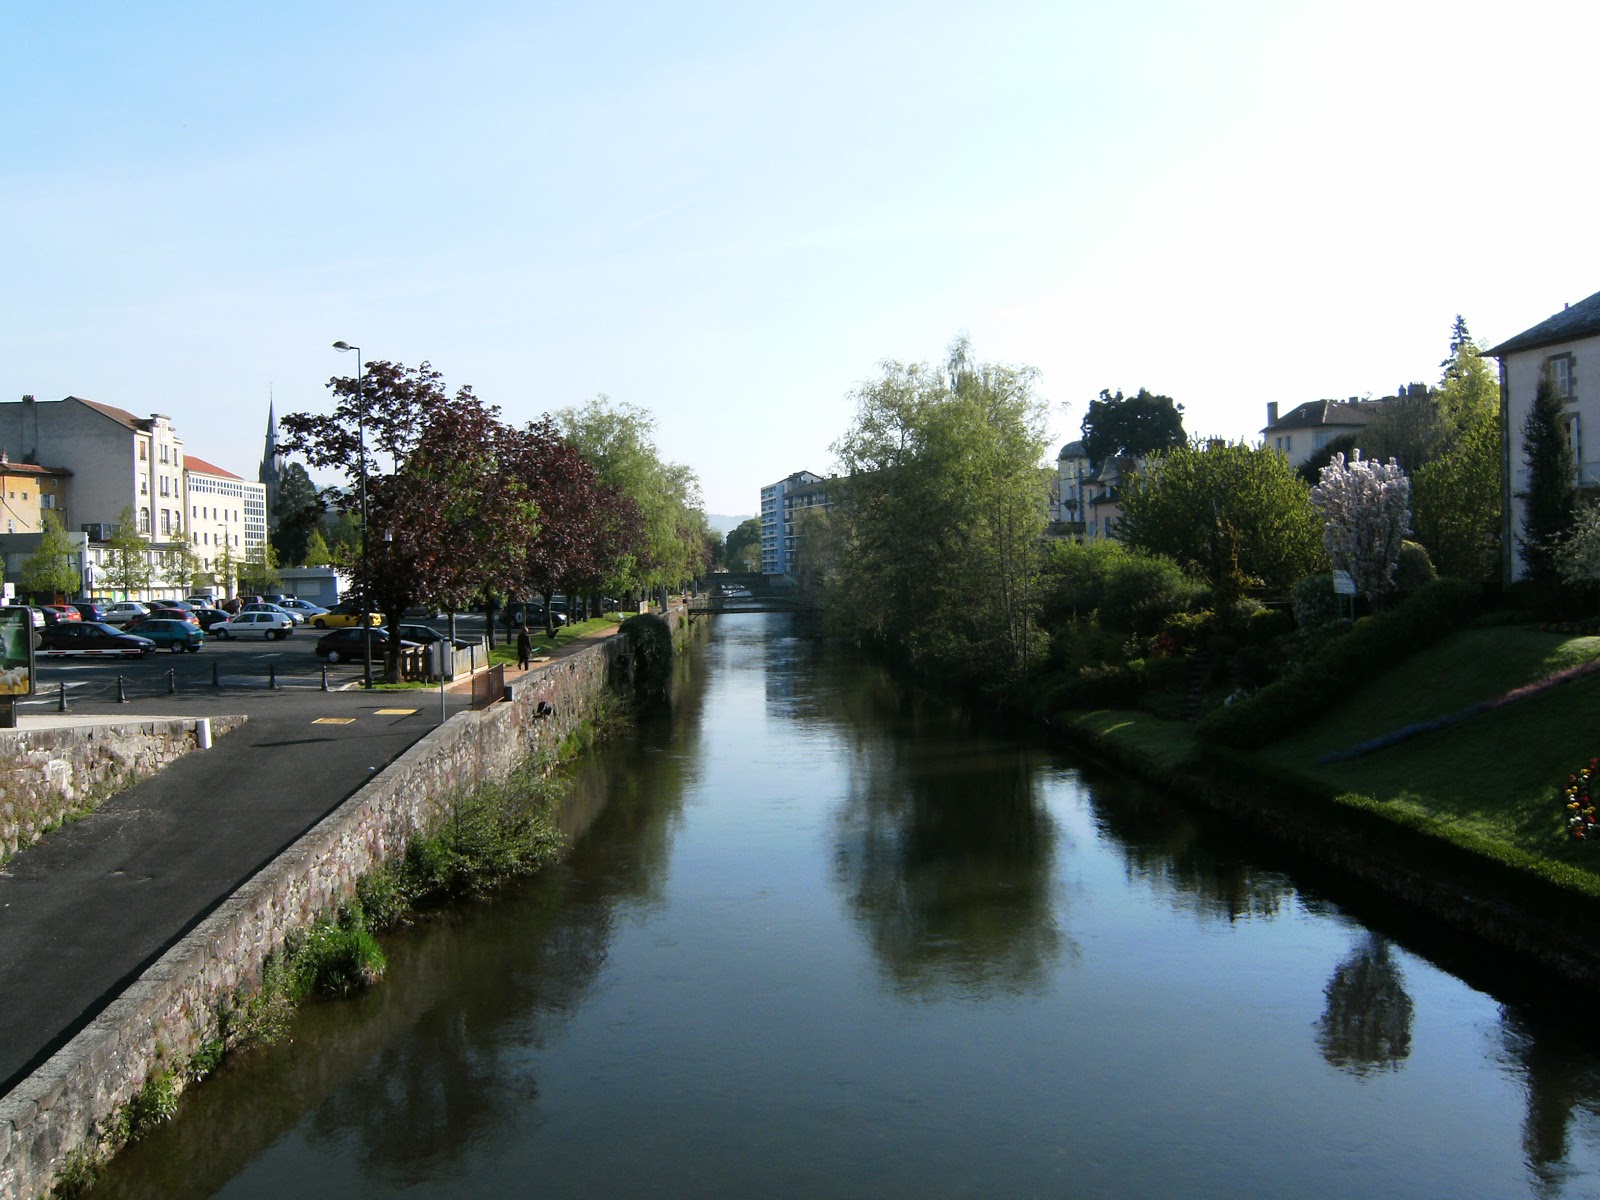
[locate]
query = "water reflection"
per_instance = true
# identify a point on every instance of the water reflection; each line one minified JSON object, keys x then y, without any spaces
{"x":1559,"y":1087}
{"x":945,"y":851}
{"x":1367,"y":1024}
{"x":1166,"y":847}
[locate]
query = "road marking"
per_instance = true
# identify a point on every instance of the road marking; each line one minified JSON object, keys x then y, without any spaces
{"x":334,"y":721}
{"x":395,"y":712}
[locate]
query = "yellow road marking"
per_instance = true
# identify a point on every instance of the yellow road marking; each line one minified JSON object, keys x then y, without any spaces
{"x":334,"y":721}
{"x":395,"y":712}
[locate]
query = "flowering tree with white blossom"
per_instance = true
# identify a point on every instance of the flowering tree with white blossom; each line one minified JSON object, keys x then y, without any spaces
{"x":1366,"y":509}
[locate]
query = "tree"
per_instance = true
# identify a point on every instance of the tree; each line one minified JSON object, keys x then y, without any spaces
{"x":1236,"y":516}
{"x":296,"y":514}
{"x":445,"y":518}
{"x":182,"y":565}
{"x":1552,"y":490}
{"x":1366,"y":510}
{"x":1455,"y":497}
{"x":618,"y":440}
{"x":318,"y":553}
{"x":258,"y":573}
{"x":128,"y":568}
{"x":742,"y":548}
{"x":1577,"y":558}
{"x":49,"y":570}
{"x":937,"y":523}
{"x":1137,"y":425}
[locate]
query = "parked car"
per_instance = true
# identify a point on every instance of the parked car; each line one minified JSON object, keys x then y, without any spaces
{"x":304,"y":607}
{"x":54,"y":613}
{"x":176,"y":636}
{"x":263,"y":606}
{"x":124,"y":611}
{"x":341,"y":615}
{"x":531,"y":614}
{"x":89,"y":610}
{"x":254,"y":624}
{"x":344,"y":645}
{"x":35,"y":614}
{"x":203,"y":601}
{"x":162,"y":613}
{"x":427,"y":635}
{"x":91,"y":639}
{"x":210,"y":618}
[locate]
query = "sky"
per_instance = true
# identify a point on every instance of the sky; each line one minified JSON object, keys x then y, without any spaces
{"x":732,"y":214}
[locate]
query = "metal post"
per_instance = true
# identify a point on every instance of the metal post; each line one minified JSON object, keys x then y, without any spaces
{"x":272,"y":676}
{"x":61,"y":704}
{"x":441,"y":697}
{"x":324,"y":677}
{"x":172,"y":682}
{"x":122,"y":695}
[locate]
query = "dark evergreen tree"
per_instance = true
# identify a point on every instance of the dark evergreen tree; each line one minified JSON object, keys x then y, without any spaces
{"x":297,"y":513}
{"x":1138,"y":425}
{"x":1460,"y":340}
{"x":1552,"y":496}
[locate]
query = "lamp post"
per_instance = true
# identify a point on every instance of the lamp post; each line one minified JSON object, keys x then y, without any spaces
{"x":361,"y":439}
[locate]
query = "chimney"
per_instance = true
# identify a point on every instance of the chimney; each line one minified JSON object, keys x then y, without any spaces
{"x":1272,"y":412}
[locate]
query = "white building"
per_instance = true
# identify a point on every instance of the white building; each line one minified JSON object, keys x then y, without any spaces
{"x":780,"y":502}
{"x":121,"y":463}
{"x":1565,"y":349}
{"x":227,"y":513}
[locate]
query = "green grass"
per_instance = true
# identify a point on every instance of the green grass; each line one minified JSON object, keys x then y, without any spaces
{"x":506,"y":652}
{"x":1161,"y":746}
{"x":1488,"y":782}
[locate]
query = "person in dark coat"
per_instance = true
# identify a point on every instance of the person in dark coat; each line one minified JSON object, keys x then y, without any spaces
{"x":524,"y":649}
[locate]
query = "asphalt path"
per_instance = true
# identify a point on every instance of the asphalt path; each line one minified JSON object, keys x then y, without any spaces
{"x":87,"y":909}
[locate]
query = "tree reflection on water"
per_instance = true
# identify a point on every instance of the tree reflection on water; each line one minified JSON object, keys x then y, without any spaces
{"x":1367,"y":1024}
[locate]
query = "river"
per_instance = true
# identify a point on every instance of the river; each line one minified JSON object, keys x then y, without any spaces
{"x":827,"y":937}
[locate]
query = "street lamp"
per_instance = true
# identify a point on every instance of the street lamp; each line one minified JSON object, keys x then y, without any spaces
{"x":361,"y":438}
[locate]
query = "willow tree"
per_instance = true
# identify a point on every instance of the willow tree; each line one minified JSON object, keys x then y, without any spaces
{"x":942,"y":505}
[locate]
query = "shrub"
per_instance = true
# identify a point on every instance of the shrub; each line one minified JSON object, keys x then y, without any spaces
{"x":1132,"y":591}
{"x":1268,"y":625}
{"x":1414,"y":569}
{"x":336,"y":959}
{"x":1315,"y":603}
{"x":1324,"y":676}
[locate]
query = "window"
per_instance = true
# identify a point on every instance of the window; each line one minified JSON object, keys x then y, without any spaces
{"x":166,"y":521}
{"x":46,"y":500}
{"x":144,"y":487}
{"x":1558,"y":369}
{"x":24,"y":495}
{"x":143,"y":452}
{"x":144,"y":520}
{"x":163,"y":454}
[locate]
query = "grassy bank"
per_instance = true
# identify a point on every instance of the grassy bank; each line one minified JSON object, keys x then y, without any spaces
{"x":1475,"y":803}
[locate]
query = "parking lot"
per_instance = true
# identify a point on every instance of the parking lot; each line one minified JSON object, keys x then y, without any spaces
{"x":291,"y":663}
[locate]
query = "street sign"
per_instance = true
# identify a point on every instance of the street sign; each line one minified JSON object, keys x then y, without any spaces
{"x":1343,"y":585}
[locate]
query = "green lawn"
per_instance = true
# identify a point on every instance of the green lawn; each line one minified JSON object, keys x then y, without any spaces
{"x":1137,"y":736}
{"x":1488,"y":781}
{"x":506,"y":652}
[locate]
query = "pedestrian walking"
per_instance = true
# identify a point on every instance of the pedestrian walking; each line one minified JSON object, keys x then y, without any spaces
{"x":524,"y":649}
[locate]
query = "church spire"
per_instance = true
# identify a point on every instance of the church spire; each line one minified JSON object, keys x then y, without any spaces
{"x":272,"y":463}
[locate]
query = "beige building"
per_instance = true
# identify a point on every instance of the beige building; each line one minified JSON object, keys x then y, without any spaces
{"x":27,"y":492}
{"x":122,"y":463}
{"x":227,"y":513}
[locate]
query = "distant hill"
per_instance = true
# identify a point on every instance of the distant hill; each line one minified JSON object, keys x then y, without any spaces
{"x":722,"y":523}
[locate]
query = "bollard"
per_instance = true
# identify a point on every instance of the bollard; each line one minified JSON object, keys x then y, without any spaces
{"x":272,"y":676}
{"x":215,"y":681}
{"x":172,"y":682}
{"x":61,"y":704}
{"x":324,"y":677}
{"x":122,"y":696}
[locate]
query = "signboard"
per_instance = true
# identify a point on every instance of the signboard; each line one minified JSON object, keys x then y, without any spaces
{"x":1343,"y":585}
{"x":16,"y":652}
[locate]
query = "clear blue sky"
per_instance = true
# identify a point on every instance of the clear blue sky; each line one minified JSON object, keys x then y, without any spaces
{"x":729,"y":213}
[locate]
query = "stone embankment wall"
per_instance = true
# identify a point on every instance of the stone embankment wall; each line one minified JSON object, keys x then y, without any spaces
{"x":172,"y":1010}
{"x":47,"y":775}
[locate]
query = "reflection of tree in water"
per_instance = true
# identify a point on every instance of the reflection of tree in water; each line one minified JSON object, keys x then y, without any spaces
{"x":1558,"y":1079}
{"x":1165,"y":846}
{"x":946,"y":852}
{"x":1367,"y":1024}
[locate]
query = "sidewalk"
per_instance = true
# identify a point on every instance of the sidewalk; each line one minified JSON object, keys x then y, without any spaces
{"x":87,"y":909}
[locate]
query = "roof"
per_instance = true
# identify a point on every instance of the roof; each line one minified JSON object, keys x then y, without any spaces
{"x":1072,"y":450}
{"x":120,"y":415}
{"x":1578,"y":320}
{"x":201,"y":467}
{"x":18,"y":468}
{"x":1315,"y":413}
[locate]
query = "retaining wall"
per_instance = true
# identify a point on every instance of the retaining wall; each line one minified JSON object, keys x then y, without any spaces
{"x":47,"y":775}
{"x":171,"y":1011}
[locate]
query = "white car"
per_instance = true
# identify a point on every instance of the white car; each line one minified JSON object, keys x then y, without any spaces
{"x":254,"y":624}
{"x":124,"y":611}
{"x":262,"y":606}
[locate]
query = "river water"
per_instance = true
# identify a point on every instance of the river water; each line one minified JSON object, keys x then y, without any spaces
{"x":825,"y":937}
